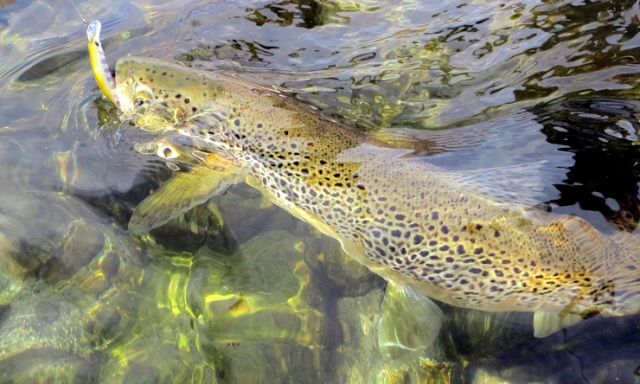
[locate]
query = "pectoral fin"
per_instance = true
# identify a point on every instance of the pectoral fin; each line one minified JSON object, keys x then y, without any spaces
{"x":178,"y":195}
{"x":409,"y":324}
{"x":546,"y":323}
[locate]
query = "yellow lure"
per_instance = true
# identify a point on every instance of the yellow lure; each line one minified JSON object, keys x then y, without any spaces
{"x":99,"y":65}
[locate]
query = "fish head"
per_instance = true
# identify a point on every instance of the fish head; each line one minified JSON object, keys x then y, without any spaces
{"x":157,"y":95}
{"x":218,"y":111}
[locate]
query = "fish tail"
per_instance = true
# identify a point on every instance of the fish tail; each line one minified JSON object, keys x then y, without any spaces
{"x":625,"y":278}
{"x":611,"y":279}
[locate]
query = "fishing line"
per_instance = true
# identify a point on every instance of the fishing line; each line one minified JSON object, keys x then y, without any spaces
{"x":79,"y":14}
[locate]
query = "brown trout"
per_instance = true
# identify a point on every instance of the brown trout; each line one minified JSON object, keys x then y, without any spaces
{"x":447,"y":235}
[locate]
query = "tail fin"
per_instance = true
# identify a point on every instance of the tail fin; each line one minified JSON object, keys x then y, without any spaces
{"x":625,"y":280}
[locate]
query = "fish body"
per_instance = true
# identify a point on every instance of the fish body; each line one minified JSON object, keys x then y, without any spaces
{"x":411,"y":222}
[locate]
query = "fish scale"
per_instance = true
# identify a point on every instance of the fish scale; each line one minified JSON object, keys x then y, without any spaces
{"x":407,"y":220}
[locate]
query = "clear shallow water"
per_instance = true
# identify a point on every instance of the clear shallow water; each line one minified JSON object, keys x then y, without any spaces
{"x":239,"y":291}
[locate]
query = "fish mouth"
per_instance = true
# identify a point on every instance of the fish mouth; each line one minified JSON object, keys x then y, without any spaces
{"x":151,"y":115}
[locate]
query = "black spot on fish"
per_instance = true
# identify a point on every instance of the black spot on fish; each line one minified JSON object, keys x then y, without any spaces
{"x":259,"y":125}
{"x":194,"y":109}
{"x":187,"y":101}
{"x":478,"y":251}
{"x":396,"y":233}
{"x":417,"y":239}
{"x":460,"y":250}
{"x":444,"y":229}
{"x":434,"y":215}
{"x":444,"y":248}
{"x":475,"y":271}
{"x":236,"y":122}
{"x":400,"y":217}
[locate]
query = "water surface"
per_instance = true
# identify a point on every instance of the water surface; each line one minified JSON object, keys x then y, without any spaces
{"x":239,"y":291}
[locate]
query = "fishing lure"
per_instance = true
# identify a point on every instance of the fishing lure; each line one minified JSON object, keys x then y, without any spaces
{"x":99,"y":66}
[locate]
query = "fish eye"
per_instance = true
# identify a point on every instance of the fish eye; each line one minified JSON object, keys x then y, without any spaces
{"x":142,"y":95}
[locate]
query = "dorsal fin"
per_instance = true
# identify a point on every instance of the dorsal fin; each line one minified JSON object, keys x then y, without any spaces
{"x":516,"y":185}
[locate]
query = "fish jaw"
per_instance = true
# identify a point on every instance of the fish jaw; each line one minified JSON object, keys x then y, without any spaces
{"x":132,"y":92}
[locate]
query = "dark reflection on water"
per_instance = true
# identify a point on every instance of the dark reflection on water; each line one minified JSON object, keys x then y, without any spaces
{"x":237,"y":290}
{"x":48,"y":66}
{"x":305,"y":14}
{"x":602,"y":136}
{"x":610,"y":351}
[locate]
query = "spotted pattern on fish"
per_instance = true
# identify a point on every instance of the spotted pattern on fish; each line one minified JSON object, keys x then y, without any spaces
{"x":390,"y":211}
